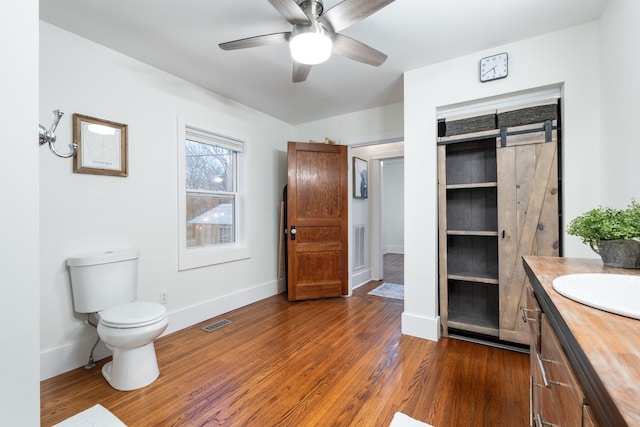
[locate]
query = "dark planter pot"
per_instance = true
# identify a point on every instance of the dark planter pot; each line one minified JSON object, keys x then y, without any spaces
{"x":619,"y":253}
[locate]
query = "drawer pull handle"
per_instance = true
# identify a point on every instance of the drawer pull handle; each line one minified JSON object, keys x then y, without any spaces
{"x":543,"y":371}
{"x":545,"y":379}
{"x":540,"y":422}
{"x":523,"y":314}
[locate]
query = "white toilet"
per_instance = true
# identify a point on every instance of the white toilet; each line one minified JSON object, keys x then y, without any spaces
{"x":106,"y":284}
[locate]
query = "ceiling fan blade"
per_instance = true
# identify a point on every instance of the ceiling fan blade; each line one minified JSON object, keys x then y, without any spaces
{"x":291,"y":11}
{"x":264,"y":40}
{"x":349,"y":12}
{"x":358,"y":51}
{"x":300,"y":72}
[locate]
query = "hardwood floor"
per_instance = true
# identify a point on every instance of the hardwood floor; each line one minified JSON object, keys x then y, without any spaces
{"x":393,"y":270}
{"x":331,"y":362}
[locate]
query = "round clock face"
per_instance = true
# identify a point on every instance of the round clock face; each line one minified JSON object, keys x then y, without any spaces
{"x":494,"y":67}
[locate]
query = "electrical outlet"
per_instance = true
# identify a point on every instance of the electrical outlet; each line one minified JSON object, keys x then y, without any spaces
{"x":164,"y":297}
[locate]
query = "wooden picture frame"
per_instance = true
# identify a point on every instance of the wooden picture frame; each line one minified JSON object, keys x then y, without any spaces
{"x":360,"y":178}
{"x":102,"y":146}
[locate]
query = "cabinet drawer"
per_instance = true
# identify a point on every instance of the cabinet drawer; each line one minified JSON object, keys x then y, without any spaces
{"x":531,"y":315}
{"x":567,"y":395}
{"x":542,"y":405}
{"x":588,"y":420}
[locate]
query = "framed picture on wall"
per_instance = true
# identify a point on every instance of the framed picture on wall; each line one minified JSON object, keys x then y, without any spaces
{"x":360,"y":178}
{"x":102,"y":146}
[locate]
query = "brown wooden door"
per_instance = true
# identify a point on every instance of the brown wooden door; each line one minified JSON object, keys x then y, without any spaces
{"x":527,"y":220}
{"x":317,"y":221}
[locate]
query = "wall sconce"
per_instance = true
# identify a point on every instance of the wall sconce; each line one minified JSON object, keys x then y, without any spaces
{"x":49,"y":137}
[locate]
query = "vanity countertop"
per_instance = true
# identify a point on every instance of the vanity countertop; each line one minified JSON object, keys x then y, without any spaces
{"x":603,"y":348}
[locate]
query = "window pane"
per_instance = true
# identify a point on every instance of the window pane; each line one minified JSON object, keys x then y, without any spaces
{"x":209,"y":167}
{"x":210,"y":220}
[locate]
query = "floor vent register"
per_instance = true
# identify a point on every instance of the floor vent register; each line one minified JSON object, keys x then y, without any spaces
{"x":217,"y":325}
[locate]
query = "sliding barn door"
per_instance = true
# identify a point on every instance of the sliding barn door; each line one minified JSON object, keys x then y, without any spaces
{"x":528,"y":221}
{"x":317,"y":221}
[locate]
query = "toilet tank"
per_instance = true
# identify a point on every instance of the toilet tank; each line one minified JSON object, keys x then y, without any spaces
{"x":103,"y":280}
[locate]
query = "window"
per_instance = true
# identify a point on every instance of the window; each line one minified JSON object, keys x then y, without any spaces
{"x":211,"y":191}
{"x":211,"y":197}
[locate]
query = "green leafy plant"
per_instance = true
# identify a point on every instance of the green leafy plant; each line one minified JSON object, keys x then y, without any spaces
{"x":607,"y":224}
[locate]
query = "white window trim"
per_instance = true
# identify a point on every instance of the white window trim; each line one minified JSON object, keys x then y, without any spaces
{"x":189,"y":258}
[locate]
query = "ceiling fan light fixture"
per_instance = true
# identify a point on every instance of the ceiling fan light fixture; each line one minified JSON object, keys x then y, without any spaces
{"x":310,"y":44}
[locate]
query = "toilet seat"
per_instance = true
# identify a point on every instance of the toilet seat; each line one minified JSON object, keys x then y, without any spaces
{"x":133,"y":315}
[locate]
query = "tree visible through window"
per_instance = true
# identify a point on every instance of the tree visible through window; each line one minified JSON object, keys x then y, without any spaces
{"x":212,"y":199}
{"x":210,"y":180}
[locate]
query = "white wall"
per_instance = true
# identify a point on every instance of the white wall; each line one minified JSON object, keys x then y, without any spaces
{"x":367,"y":126}
{"x":620,"y":33}
{"x":393,"y":205}
{"x":569,"y":58}
{"x":82,"y":213}
{"x":19,"y":305}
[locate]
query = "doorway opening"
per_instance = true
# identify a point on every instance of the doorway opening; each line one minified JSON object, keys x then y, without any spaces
{"x":381,"y":215}
{"x":392,"y":219}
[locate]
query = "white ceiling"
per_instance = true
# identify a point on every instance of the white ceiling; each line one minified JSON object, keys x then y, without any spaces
{"x":182,"y":36}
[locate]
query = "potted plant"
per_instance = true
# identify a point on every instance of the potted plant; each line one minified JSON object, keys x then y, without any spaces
{"x":614,"y":234}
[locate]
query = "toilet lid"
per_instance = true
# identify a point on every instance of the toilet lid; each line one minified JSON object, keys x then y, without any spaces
{"x":133,"y":314}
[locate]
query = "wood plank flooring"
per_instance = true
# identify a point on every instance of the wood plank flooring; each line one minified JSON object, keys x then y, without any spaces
{"x":331,"y":362}
{"x":393,"y":268}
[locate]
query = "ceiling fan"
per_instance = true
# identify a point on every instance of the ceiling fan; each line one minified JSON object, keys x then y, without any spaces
{"x":315,"y":33}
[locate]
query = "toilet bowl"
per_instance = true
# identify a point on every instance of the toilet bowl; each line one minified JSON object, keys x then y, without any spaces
{"x":129,"y":330}
{"x":106,"y":284}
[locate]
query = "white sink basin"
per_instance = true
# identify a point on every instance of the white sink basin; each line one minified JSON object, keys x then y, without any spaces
{"x":616,"y":293}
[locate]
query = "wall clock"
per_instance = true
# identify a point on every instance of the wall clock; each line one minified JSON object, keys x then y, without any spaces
{"x":494,"y":67}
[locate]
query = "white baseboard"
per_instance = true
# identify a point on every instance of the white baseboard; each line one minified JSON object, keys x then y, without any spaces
{"x":74,"y":355}
{"x":393,"y":249}
{"x":427,"y":328}
{"x":66,"y":358}
{"x":197,"y":313}
{"x":360,"y":277}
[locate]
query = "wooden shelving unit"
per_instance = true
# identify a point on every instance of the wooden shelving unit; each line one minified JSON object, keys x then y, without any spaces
{"x":469,"y":233}
{"x":486,"y":182}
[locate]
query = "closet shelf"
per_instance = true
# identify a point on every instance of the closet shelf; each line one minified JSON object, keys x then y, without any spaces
{"x":472,"y":185}
{"x":477,"y":324}
{"x":474,"y":276}
{"x":472,"y":233}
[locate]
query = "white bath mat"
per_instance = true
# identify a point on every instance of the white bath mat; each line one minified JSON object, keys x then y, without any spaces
{"x":402,"y":420}
{"x":389,"y":290}
{"x":96,"y":416}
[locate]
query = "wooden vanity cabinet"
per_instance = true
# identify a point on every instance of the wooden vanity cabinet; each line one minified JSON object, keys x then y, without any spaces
{"x":566,"y":395}
{"x":556,"y":397}
{"x":592,"y":354}
{"x":588,"y":419}
{"x":531,"y":316}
